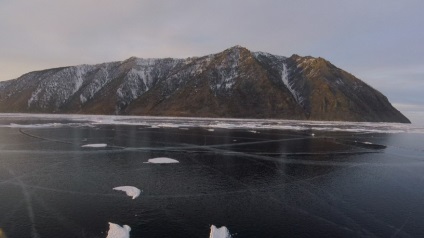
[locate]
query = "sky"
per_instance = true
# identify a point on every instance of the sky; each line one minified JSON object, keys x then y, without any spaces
{"x":378,"y":41}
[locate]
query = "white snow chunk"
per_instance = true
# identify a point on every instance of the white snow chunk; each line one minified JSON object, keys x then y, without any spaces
{"x":117,"y":231}
{"x":162,"y":160}
{"x":94,"y":145}
{"x":211,"y":129}
{"x":129,"y":190}
{"x":221,"y":232}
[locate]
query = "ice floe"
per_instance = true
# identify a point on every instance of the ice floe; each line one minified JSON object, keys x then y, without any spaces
{"x":129,"y":190}
{"x":162,"y":160}
{"x":117,"y":231}
{"x":221,"y":232}
{"x":94,"y":145}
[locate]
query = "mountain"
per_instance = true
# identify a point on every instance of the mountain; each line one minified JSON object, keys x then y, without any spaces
{"x":233,"y":83}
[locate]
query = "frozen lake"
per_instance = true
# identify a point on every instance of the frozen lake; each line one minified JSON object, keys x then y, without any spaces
{"x":258,"y":178}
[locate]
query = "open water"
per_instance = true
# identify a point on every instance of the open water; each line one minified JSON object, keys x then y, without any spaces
{"x":258,"y":178}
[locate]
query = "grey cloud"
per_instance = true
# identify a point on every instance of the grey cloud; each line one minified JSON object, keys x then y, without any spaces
{"x":360,"y":36}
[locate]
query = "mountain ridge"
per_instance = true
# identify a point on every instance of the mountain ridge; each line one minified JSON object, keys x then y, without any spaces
{"x":233,"y":83}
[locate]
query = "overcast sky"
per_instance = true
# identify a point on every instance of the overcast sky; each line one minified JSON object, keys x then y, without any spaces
{"x":379,"y":41}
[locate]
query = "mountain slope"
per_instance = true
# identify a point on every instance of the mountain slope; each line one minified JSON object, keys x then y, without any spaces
{"x":232,"y":83}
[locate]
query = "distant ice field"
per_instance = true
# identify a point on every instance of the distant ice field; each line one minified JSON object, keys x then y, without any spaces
{"x":50,"y":120}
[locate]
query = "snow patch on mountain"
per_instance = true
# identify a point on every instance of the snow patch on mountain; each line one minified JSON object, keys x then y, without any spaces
{"x":57,"y":86}
{"x":3,"y":85}
{"x":226,"y":72}
{"x":143,"y":75}
{"x":259,"y":54}
{"x":285,"y":78}
{"x":279,"y":64}
{"x":34,"y":96}
{"x":136,"y":82}
{"x":192,"y":69}
{"x":80,"y":72}
{"x":96,"y":83}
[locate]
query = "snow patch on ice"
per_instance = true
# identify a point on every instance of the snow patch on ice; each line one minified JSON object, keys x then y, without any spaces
{"x":94,"y":145}
{"x":117,"y":231}
{"x":221,"y":232}
{"x":46,"y":125}
{"x":162,"y":160}
{"x":129,"y":190}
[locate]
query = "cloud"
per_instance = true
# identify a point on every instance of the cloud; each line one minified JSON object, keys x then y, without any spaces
{"x":363,"y":37}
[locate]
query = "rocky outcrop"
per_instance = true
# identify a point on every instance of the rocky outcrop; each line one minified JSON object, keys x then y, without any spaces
{"x":233,"y":83}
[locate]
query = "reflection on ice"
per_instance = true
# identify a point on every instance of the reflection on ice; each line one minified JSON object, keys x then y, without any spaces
{"x":129,"y":190}
{"x":221,"y":232}
{"x":94,"y":145}
{"x":2,"y":234}
{"x":162,"y":160}
{"x":117,"y":231}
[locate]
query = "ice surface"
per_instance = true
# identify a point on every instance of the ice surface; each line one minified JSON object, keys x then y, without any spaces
{"x":117,"y":231}
{"x":129,"y":190}
{"x":94,"y":145}
{"x":213,"y":123}
{"x":162,"y":160}
{"x":221,"y":232}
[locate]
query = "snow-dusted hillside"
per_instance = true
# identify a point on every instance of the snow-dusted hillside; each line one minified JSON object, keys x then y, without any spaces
{"x":232,"y":83}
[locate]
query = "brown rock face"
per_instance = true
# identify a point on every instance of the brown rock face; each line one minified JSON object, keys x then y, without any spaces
{"x":234,"y":83}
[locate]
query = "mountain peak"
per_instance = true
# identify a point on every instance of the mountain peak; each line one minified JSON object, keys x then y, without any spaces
{"x":237,"y":48}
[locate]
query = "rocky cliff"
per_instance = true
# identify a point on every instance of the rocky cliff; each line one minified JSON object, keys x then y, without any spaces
{"x":233,"y":83}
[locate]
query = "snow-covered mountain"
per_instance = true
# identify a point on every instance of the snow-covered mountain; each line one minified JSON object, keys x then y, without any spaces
{"x":232,"y":83}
